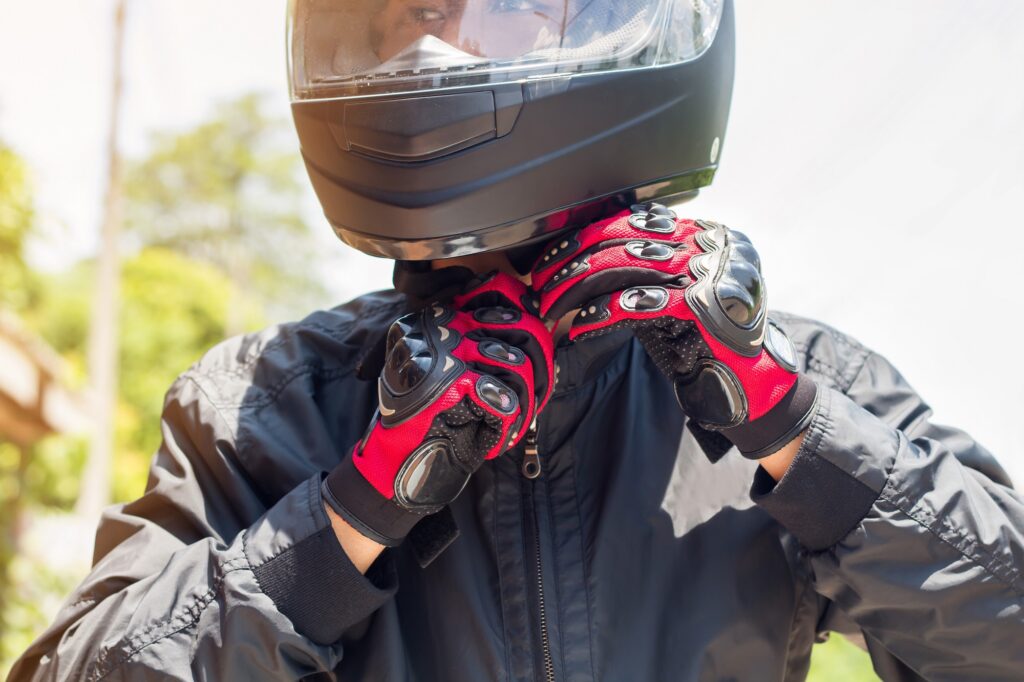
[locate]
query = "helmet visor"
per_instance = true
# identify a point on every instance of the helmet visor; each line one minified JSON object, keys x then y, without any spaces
{"x":340,"y":48}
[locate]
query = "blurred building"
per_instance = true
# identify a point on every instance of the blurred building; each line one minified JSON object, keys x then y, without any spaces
{"x":34,"y":401}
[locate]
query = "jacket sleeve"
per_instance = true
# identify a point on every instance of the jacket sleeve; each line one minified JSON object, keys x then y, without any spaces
{"x":912,"y":529}
{"x":198,"y":579}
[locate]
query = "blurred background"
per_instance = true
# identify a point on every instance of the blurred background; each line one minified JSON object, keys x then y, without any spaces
{"x":153,"y":204}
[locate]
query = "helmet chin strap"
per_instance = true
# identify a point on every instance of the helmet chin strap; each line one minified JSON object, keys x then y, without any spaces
{"x":523,"y":257}
{"x":480,"y":263}
{"x":422,"y":283}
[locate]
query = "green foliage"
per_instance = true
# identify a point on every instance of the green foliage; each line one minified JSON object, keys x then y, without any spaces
{"x":54,"y":470}
{"x":16,"y":221}
{"x":172,"y":311}
{"x":31,"y":607}
{"x":837,"y":660}
{"x":61,"y":315}
{"x":226,"y":193}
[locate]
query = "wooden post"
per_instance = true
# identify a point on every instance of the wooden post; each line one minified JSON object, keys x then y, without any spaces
{"x":94,"y":494}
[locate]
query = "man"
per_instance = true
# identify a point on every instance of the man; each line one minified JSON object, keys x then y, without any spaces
{"x":439,"y":483}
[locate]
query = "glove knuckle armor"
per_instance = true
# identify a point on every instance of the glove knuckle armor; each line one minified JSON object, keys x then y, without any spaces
{"x":419,"y":365}
{"x":728,"y":294}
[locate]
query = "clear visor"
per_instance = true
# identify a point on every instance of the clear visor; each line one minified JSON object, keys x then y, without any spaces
{"x":341,"y":48}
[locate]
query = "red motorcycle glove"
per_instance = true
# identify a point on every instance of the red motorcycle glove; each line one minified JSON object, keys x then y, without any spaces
{"x":461,"y":383}
{"x":693,"y":293}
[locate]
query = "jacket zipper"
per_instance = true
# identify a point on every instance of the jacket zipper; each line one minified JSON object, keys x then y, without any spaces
{"x":532,"y":470}
{"x":531,"y":459}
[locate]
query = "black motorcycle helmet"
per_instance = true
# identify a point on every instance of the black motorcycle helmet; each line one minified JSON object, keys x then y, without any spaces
{"x":440,"y":128}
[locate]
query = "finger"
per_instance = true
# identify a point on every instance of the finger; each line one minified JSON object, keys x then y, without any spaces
{"x":513,"y":317}
{"x":634,"y":307}
{"x":637,"y":262}
{"x":659,"y":224}
{"x":497,"y":289}
{"x":518,"y":330}
{"x":503,"y":414}
{"x":728,"y":293}
{"x":476,"y":416}
{"x":506,"y":363}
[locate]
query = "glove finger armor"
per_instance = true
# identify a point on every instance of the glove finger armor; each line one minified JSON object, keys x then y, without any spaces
{"x":694,"y":294}
{"x":459,"y":385}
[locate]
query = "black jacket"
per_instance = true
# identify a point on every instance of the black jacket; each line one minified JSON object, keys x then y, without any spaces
{"x":631,"y":558}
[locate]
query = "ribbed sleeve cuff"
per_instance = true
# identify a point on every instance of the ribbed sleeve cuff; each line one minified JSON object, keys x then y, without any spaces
{"x":831,"y":484}
{"x":352,"y":497}
{"x":784,"y":422}
{"x":302,"y":567}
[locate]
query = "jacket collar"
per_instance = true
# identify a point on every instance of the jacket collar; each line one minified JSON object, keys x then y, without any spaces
{"x":579,"y":362}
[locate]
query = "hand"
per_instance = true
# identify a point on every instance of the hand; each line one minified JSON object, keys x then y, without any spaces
{"x":693,"y":293}
{"x":461,"y":384}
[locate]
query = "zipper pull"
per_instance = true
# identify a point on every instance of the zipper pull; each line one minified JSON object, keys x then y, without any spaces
{"x":531,"y":458}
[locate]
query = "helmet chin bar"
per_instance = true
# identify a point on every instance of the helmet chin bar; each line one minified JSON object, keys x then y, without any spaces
{"x":674,"y":190}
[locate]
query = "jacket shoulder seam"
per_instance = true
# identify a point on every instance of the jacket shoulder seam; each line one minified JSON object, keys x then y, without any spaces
{"x":339,"y":332}
{"x":240,"y":368}
{"x":856,"y":366}
{"x":273,"y":392}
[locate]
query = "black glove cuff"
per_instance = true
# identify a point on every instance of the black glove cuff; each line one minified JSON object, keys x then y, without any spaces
{"x":780,"y":425}
{"x":365,"y":509}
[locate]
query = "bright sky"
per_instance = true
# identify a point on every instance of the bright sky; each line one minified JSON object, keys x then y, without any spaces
{"x":875,"y":156}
